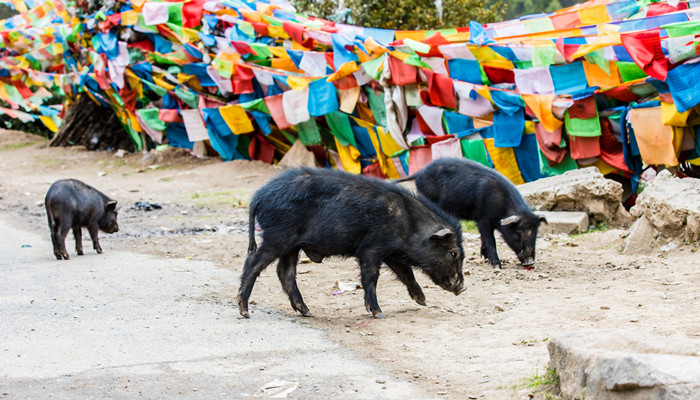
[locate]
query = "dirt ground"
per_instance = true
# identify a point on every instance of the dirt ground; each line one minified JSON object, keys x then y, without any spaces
{"x":484,"y":343}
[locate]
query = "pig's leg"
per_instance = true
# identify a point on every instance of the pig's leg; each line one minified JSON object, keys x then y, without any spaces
{"x":287,"y":271}
{"x":61,"y":233}
{"x":369,"y":275}
{"x":488,"y":244}
{"x":55,"y":240}
{"x":93,"y":228}
{"x":254,"y":264}
{"x":78,"y":235}
{"x":405,"y":275}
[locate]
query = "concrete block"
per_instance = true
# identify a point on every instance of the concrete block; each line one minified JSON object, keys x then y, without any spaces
{"x":566,"y":222}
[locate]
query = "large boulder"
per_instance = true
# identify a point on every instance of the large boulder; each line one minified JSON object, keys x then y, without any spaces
{"x":671,"y":207}
{"x":617,"y":364}
{"x":584,"y":189}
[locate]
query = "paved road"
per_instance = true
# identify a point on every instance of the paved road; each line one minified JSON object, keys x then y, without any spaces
{"x":123,"y":325}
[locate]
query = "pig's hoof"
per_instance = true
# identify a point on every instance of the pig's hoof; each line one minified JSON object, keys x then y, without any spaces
{"x":99,"y":251}
{"x":80,"y":252}
{"x":421,"y":301}
{"x":307,"y":314}
{"x":245,"y":314}
{"x":379,"y":315}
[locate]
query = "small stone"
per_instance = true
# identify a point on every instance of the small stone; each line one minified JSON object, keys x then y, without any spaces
{"x":499,"y":308}
{"x":380,"y":381}
{"x":604,"y":307}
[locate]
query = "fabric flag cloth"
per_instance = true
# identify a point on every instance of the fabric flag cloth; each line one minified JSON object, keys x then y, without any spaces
{"x":504,"y":162}
{"x":610,"y":148}
{"x":582,"y":127}
{"x":276,"y":107}
{"x":237,"y":119}
{"x":308,"y":132}
{"x":465,"y":71}
{"x":441,"y":90}
{"x":295,"y":104}
{"x":584,"y":108}
{"x":194,"y":124}
{"x":339,"y":123}
{"x":418,"y":158}
{"x":221,"y":138}
{"x":349,"y":157}
{"x":654,"y":139}
{"x":584,"y":147}
{"x":432,"y":116}
{"x":536,"y":80}
{"x":550,"y":143}
{"x":261,"y":150}
{"x":321,"y":98}
{"x":474,"y":149}
{"x":683,"y":81}
{"x":472,"y":103}
{"x":645,"y":49}
{"x":541,"y":106}
{"x":527,"y":158}
{"x":508,"y":128}
{"x":568,"y":78}
{"x":446,"y":148}
{"x":177,"y":136}
{"x":402,"y":73}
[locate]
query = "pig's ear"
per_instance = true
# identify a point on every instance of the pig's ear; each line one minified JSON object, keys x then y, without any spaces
{"x":543,"y":219}
{"x":510,"y":220}
{"x":111,"y":205}
{"x":442,"y":234}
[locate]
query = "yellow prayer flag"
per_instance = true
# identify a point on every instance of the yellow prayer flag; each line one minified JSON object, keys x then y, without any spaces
{"x":504,"y":161}
{"x":49,"y":122}
{"x":541,"y":105}
{"x":594,"y":15}
{"x":346,"y":69}
{"x":671,"y":116}
{"x":297,"y":83}
{"x":130,"y":17}
{"x":349,"y":157}
{"x":236,"y":119}
{"x":277,"y":32}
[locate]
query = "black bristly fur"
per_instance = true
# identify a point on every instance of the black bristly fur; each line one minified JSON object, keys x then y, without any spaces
{"x":333,"y":213}
{"x":474,"y":192}
{"x":72,"y":204}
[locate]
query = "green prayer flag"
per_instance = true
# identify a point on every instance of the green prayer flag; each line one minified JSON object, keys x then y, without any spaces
{"x":247,"y":28}
{"x":190,"y":98}
{"x":175,"y":14}
{"x":372,"y":66}
{"x":376,"y":104}
{"x":629,"y":71}
{"x":682,"y":28}
{"x":416,"y":62}
{"x":160,"y":91}
{"x":589,"y":127}
{"x":151,"y":118}
{"x":339,"y":123}
{"x":598,"y":58}
{"x":475,"y":150}
{"x":567,"y":164}
{"x":308,"y":132}
{"x":543,"y":56}
{"x":257,"y":104}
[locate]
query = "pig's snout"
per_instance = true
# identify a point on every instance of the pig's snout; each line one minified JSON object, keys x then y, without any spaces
{"x":528,"y":261}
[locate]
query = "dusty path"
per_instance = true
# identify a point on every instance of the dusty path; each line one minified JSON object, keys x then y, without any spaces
{"x":481,"y":344}
{"x":123,"y":325}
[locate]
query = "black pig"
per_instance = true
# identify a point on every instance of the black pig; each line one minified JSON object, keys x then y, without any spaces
{"x":473,"y":192}
{"x":329,"y":212}
{"x":73,"y":204}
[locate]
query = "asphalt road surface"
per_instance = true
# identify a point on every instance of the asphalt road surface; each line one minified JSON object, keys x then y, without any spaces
{"x":125,"y":325}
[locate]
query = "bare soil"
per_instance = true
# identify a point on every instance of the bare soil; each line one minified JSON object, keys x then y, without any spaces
{"x":481,"y":344}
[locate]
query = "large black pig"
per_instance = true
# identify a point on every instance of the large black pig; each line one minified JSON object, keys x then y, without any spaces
{"x":473,"y":192}
{"x":329,"y":212}
{"x":71,"y":204}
